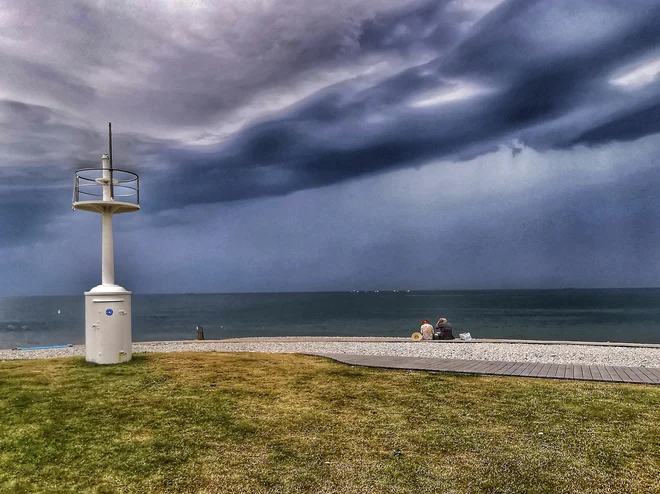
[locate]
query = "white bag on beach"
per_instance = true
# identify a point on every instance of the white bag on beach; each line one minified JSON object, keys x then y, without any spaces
{"x":465,"y":336}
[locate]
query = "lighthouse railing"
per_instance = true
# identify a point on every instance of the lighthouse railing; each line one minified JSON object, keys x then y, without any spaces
{"x":89,"y":182}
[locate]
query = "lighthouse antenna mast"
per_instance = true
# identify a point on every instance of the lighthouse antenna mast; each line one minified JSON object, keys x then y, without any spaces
{"x":112,"y":188}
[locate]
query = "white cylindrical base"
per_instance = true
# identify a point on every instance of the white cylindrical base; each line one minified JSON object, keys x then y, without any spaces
{"x":108,"y":338}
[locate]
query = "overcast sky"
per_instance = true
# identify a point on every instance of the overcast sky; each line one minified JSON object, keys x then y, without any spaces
{"x":293,"y":145}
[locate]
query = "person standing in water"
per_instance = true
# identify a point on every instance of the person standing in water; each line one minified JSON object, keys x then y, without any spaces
{"x":426,"y":329}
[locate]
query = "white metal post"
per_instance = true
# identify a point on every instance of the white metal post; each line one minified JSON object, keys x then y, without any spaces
{"x":107,"y":251}
{"x":107,"y":178}
{"x":107,"y":245}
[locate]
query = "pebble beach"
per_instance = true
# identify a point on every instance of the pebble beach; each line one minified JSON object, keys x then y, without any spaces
{"x":628,"y":355}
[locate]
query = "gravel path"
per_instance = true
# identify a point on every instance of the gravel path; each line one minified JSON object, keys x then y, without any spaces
{"x":585,"y":354}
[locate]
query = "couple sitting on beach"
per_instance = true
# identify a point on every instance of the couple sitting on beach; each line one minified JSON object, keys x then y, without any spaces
{"x":441,"y":331}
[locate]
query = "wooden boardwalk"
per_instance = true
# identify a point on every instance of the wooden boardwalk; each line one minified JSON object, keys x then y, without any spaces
{"x":637,"y":375}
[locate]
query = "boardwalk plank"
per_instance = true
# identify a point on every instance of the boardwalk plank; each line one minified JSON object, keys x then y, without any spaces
{"x":538,"y":369}
{"x":484,"y":367}
{"x":527,"y":372}
{"x":640,"y":376}
{"x":649,"y":375}
{"x":561,"y":370}
{"x":558,"y":368}
{"x":494,"y":364}
{"x":500,"y":368}
{"x":473,"y":365}
{"x":542,"y":371}
{"x":653,"y":371}
{"x":506,"y":369}
{"x":605,"y":373}
{"x":568,"y":372}
{"x":585,"y":371}
{"x":615,"y":371}
{"x":550,"y":370}
{"x":462,"y":365}
{"x":577,"y":371}
{"x":424,"y":363}
{"x":492,"y":367}
{"x":624,"y":375}
{"x":633,"y":375}
{"x":595,"y":373}
{"x":480,"y":367}
{"x":457,"y":366}
{"x":521,"y":367}
{"x":517,"y":367}
{"x":514,"y":370}
{"x":442,"y":362}
{"x":627,"y":377}
{"x":613,"y":374}
{"x":637,"y":377}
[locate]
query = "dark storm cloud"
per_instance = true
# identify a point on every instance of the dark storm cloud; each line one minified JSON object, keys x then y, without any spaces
{"x":600,"y":235}
{"x":38,"y":136}
{"x":40,"y":149}
{"x":272,"y":58}
{"x":427,"y":24}
{"x":39,"y":77}
{"x":35,"y":185}
{"x":626,"y":126}
{"x":28,"y":203}
{"x":519,"y":34}
{"x":535,"y":85}
{"x":346,"y":131}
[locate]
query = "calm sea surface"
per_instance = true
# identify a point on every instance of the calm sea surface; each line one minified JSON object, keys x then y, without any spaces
{"x":629,"y":315}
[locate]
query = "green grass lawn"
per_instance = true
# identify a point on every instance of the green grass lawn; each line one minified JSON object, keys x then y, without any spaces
{"x":213,"y":422}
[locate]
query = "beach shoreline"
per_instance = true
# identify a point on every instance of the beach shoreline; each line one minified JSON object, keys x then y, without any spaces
{"x":566,"y":352}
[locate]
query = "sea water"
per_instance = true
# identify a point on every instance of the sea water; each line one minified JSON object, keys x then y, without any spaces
{"x":621,"y":315}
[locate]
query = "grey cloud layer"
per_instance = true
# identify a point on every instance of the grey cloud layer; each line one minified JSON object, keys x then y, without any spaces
{"x":176,"y":65}
{"x":181,"y":69}
{"x":543,"y":93}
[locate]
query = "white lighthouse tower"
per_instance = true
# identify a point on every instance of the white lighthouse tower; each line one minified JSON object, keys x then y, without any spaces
{"x":107,"y":191}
